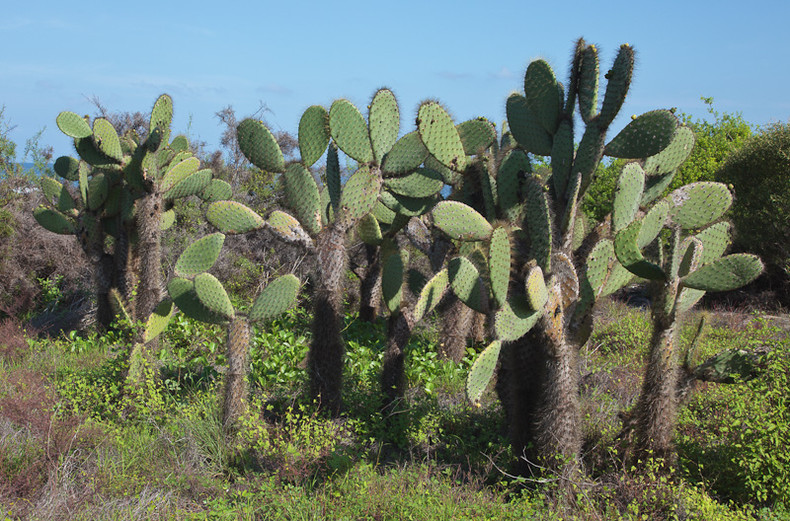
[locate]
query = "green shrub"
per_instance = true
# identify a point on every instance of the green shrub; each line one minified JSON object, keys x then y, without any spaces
{"x":760,"y":174}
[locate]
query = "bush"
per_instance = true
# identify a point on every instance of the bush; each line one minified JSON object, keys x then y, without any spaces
{"x":760,"y":174}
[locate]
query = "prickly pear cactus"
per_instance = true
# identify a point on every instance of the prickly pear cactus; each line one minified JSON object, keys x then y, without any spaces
{"x":681,"y":271}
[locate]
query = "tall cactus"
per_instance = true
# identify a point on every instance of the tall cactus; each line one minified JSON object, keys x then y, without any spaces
{"x":680,"y":273}
{"x":126,"y":191}
{"x":199,"y":295}
{"x":539,"y":297}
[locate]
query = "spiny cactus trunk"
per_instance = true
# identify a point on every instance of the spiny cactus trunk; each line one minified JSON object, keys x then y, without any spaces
{"x":370,"y":289}
{"x":235,"y":390}
{"x":103,"y":281}
{"x":125,"y":269}
{"x":325,"y":360}
{"x":458,"y":320}
{"x":393,"y":377}
{"x":657,"y":405}
{"x":149,"y":292}
{"x":538,"y":385}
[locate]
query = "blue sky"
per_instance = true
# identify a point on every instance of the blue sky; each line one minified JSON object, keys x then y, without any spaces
{"x":290,"y":55}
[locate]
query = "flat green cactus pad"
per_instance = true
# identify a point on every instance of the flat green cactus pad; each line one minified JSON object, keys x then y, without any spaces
{"x":460,"y":221}
{"x":67,"y":168}
{"x":180,"y":143}
{"x":212,"y":294}
{"x":259,"y":146}
{"x":360,"y":194}
{"x":384,"y":121}
{"x":440,"y":137}
{"x":106,"y":139}
{"x":313,"y":134}
{"x":88,"y":152}
{"x":538,"y":220}
{"x":644,"y":136}
{"x":382,"y":212}
{"x":217,"y":190}
{"x":715,"y":240}
{"x":422,"y":182}
{"x":514,"y":320}
{"x":286,"y":226}
{"x":692,"y":253}
{"x":407,"y":206}
{"x":698,"y":204}
{"x":540,"y":88}
{"x":193,"y":184}
{"x":53,"y":221}
{"x":630,"y":256}
{"x":73,"y":125}
{"x":406,"y":154}
{"x":652,"y":223}
{"x":525,"y":127}
{"x":588,"y":83}
{"x":476,"y":135}
{"x":51,"y":188}
{"x":499,"y":262}
{"x":350,"y":131}
{"x":158,"y":320}
{"x":168,"y":220}
{"x":98,"y":188}
{"x":276,"y":298}
{"x":302,"y":194}
{"x":200,"y":256}
{"x":182,"y":291}
{"x":482,"y":371}
{"x":669,"y":159}
{"x":535,"y":288}
{"x":392,"y":280}
{"x":430,"y":295}
{"x":369,"y":230}
{"x":726,"y":273}
{"x":619,"y":80}
{"x":627,"y":195}
{"x":233,"y":217}
{"x":178,"y":171}
{"x":467,"y":284}
{"x":513,"y":168}
{"x":162,"y":117}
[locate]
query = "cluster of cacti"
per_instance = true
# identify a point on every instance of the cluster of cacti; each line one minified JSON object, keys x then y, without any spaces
{"x":532,"y":271}
{"x":511,"y":246}
{"x":681,"y":270}
{"x":126,"y":190}
{"x":199,"y":295}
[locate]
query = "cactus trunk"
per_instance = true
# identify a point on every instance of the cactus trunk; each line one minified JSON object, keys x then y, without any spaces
{"x":458,"y":321}
{"x":657,"y":405}
{"x":325,"y":360}
{"x":538,"y":385}
{"x":236,"y":376}
{"x":149,"y":293}
{"x":393,"y":378}
{"x":370,"y":289}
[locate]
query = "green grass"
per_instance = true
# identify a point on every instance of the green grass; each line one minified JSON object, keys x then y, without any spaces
{"x":74,"y":445}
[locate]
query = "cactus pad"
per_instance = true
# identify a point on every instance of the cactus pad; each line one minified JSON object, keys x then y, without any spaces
{"x":259,"y":146}
{"x":698,"y":204}
{"x":630,"y":256}
{"x":392,"y":280}
{"x":430,"y":295}
{"x":715,"y":239}
{"x":525,"y":128}
{"x":514,"y":320}
{"x":499,"y":261}
{"x":287,"y":227}
{"x":360,"y":194}
{"x":588,"y":83}
{"x":98,"y":188}
{"x":420,"y":183}
{"x":106,"y":139}
{"x":476,"y":135}
{"x":440,"y":137}
{"x":482,"y":371}
{"x":302,"y":194}
{"x":466,"y":283}
{"x":349,"y":130}
{"x":276,"y":298}
{"x":369,"y":230}
{"x":182,"y":291}
{"x":725,"y":273}
{"x":73,"y":125}
{"x":540,"y":88}
{"x":619,"y":80}
{"x":644,"y":136}
{"x":217,"y":190}
{"x":405,"y":155}
{"x":652,"y":223}
{"x":158,"y":320}
{"x":168,"y":220}
{"x":232,"y":217}
{"x":212,"y":294}
{"x":384,"y":121}
{"x":53,"y":221}
{"x":178,"y":171}
{"x":193,"y":184}
{"x":535,"y":288}
{"x":461,"y":222}
{"x":67,"y":168}
{"x":200,"y":256}
{"x":692,"y":253}
{"x":627,"y":195}
{"x":313,"y":134}
{"x":514,"y":167}
{"x":538,"y":220}
{"x":162,"y":116}
{"x":407,"y":206}
{"x":669,"y":159}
